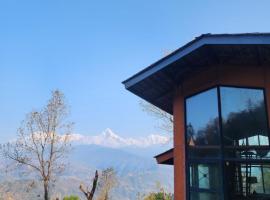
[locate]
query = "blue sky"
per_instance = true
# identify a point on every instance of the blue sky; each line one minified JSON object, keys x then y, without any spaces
{"x":86,"y":48}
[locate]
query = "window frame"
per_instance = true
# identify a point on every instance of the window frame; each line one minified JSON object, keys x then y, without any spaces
{"x":265,"y":106}
{"x":220,"y":161}
{"x":213,"y":159}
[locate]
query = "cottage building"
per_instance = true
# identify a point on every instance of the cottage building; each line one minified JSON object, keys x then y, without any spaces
{"x":218,"y":89}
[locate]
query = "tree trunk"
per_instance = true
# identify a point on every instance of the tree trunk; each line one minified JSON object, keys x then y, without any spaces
{"x":46,"y":191}
{"x":90,"y":195}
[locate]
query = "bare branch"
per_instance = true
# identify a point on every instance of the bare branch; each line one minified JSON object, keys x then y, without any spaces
{"x":43,"y":141}
{"x":90,"y":194}
{"x":165,"y":118}
{"x":107,"y":182}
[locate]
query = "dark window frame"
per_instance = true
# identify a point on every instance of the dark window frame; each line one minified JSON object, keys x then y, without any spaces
{"x":220,"y":160}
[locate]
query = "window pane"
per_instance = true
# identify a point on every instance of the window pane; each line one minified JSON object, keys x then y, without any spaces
{"x":204,"y":196}
{"x":244,"y":122}
{"x":259,"y":181}
{"x":203,"y":124}
{"x":205,"y":176}
{"x":266,"y":179}
{"x":248,"y":180}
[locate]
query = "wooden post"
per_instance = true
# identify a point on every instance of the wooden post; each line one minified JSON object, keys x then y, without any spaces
{"x":179,"y":148}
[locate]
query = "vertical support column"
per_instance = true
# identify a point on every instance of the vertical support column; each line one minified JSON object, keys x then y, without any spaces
{"x":267,"y":90}
{"x":179,"y":147}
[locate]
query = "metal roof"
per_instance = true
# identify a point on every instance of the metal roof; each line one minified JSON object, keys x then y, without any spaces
{"x":155,"y":83}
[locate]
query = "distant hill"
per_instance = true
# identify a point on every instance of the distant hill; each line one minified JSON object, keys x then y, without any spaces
{"x":136,"y":169}
{"x":101,"y":157}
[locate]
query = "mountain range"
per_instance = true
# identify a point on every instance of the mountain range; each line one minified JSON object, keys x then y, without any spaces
{"x":131,"y":158}
{"x":109,"y":139}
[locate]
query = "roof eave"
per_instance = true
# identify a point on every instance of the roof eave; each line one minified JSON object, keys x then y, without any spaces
{"x":206,"y":39}
{"x":165,"y":158}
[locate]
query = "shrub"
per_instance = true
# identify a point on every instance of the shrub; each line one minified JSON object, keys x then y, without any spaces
{"x":158,"y":196}
{"x":71,"y":197}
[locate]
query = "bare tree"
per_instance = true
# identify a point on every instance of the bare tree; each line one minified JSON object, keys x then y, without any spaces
{"x":102,"y":185}
{"x":89,"y":194}
{"x":107,"y":181}
{"x":43,"y":141}
{"x":166,"y":119}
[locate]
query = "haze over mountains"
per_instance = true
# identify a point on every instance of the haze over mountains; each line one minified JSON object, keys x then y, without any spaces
{"x":132,"y":159}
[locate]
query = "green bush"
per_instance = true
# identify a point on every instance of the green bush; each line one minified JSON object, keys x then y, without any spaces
{"x":71,"y":197}
{"x":158,"y":196}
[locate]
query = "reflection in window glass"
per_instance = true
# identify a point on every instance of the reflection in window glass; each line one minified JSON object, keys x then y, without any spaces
{"x":245,"y":136}
{"x":256,"y":140}
{"x":244,"y":117}
{"x":263,"y":140}
{"x":203,"y":124}
{"x":255,"y":179}
{"x":204,"y":176}
{"x":247,"y":180}
{"x":266,"y":179}
{"x":204,"y":196}
{"x":190,"y":177}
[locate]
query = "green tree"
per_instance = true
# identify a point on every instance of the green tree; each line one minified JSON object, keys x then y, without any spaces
{"x":71,"y":197}
{"x":161,"y":194}
{"x":158,"y":196}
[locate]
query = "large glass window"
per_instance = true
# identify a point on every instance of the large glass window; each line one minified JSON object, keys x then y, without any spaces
{"x":244,"y":122}
{"x":202,"y":124}
{"x":228,"y":126}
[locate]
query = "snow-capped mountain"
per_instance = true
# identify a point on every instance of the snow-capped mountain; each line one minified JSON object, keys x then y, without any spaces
{"x":131,"y":158}
{"x":109,"y":139}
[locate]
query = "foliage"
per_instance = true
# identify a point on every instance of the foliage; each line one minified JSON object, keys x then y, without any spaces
{"x":158,"y":196}
{"x":71,"y":197}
